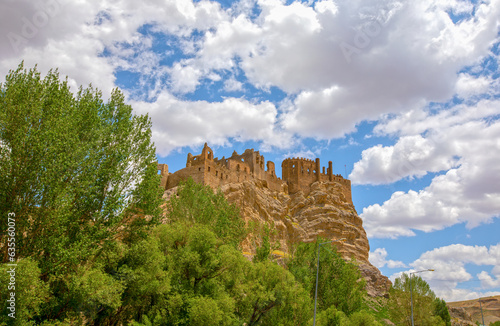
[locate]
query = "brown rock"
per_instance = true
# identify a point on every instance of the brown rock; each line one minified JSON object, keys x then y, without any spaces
{"x":296,"y":218}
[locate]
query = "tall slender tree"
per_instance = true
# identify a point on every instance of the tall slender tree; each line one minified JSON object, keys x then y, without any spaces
{"x":73,"y":168}
{"x":340,"y":283}
{"x":423,"y":302}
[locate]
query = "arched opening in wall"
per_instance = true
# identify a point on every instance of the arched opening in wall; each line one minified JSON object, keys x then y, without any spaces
{"x":237,"y":167}
{"x":216,"y":173}
{"x":199,"y":169}
{"x":308,"y":171}
{"x":208,"y":169}
{"x":209,"y":155}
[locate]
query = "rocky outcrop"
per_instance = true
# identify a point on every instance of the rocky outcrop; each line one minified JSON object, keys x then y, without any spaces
{"x":472,"y":311}
{"x":323,"y":212}
{"x":460,"y":317}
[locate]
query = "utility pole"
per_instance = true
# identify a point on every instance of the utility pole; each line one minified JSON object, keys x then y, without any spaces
{"x":481,"y":306}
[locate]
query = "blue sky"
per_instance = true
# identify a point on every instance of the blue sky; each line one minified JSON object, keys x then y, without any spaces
{"x":402,"y":96}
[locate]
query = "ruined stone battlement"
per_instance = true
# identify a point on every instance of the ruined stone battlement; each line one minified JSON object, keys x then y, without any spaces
{"x":297,"y":173}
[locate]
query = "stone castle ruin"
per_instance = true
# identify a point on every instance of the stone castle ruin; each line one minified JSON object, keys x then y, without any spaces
{"x":297,"y":173}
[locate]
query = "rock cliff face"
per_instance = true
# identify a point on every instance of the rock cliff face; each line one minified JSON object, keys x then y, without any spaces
{"x":323,"y":212}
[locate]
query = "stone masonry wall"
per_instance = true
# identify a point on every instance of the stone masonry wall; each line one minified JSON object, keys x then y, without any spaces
{"x":298,"y":174}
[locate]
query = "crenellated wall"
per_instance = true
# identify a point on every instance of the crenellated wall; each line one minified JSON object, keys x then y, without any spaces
{"x":301,"y":173}
{"x":297,"y":173}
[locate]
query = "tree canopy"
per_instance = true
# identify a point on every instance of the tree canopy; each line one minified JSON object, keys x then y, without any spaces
{"x":340,"y":283}
{"x":427,"y":309}
{"x":73,"y":170}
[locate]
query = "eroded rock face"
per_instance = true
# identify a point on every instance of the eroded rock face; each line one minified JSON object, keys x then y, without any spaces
{"x":323,"y":212}
{"x":460,"y":317}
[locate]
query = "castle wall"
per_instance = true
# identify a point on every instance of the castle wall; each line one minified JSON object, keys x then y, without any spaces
{"x":300,"y":173}
{"x":297,"y":173}
{"x":197,"y":173}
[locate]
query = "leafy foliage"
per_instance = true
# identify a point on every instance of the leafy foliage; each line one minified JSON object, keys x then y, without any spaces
{"x":73,"y":169}
{"x":362,"y":318}
{"x":441,"y":310}
{"x":30,"y":292}
{"x":199,"y":204}
{"x":423,"y":302}
{"x":340,"y":283}
{"x":263,"y":233}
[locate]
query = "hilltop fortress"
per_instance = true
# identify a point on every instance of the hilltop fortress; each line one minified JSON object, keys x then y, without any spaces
{"x":297,"y":173}
{"x":307,"y":202}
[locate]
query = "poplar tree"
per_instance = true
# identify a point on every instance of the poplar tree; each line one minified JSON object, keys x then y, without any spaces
{"x":401,"y":297}
{"x":340,"y":283}
{"x":73,"y":169}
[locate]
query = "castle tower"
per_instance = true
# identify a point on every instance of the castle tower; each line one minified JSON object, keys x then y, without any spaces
{"x":207,"y":153}
{"x":291,"y":173}
{"x":330,"y":171}
{"x":271,"y":168}
{"x":163,"y":169}
{"x":317,"y":171}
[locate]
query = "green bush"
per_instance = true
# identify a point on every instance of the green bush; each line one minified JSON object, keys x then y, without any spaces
{"x":30,"y":292}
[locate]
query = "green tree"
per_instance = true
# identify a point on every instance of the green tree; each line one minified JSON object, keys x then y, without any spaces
{"x":196,"y":203}
{"x":263,"y":233}
{"x":201,"y":270}
{"x":441,"y":310}
{"x":29,"y":292}
{"x":423,"y":302}
{"x":270,"y":295}
{"x":362,"y":318}
{"x":340,"y":283}
{"x":142,"y":271}
{"x":330,"y":317}
{"x":73,"y":169}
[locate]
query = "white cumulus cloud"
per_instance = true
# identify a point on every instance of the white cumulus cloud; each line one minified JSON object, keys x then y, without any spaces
{"x":450,"y":265}
{"x":379,"y":259}
{"x":461,"y":144}
{"x":178,"y":123}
